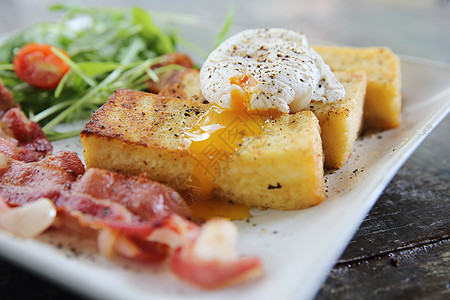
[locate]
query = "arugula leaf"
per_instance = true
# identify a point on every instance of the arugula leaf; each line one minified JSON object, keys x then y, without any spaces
{"x":162,"y":42}
{"x":95,"y":68}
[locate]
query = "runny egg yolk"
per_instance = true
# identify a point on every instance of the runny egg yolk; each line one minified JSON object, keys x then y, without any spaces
{"x":218,"y":134}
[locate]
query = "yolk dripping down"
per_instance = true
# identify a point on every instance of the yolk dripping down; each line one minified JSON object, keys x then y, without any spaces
{"x":217,"y":135}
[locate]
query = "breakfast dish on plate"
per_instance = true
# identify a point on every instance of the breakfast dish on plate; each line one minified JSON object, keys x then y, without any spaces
{"x":250,"y":105}
{"x":255,"y":127}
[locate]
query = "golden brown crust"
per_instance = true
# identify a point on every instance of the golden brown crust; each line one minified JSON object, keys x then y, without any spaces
{"x":128,"y":117}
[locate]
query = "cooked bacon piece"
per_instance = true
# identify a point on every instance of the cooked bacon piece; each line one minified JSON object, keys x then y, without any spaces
{"x":210,"y":261}
{"x":91,"y":212}
{"x":174,"y":231}
{"x":32,"y":144}
{"x":20,"y":138}
{"x":212,"y":274}
{"x":149,"y":241}
{"x":99,"y":196}
{"x":98,"y":199}
{"x":175,"y":58}
{"x":54,"y":176}
{"x":134,"y":218}
{"x":137,"y":249}
{"x":142,"y":197}
{"x":9,"y":148}
{"x":204,"y":256}
{"x":22,"y":182}
{"x":6,"y":99}
{"x":167,"y":77}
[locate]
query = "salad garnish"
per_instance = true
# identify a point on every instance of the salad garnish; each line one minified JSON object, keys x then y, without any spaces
{"x":83,"y":59}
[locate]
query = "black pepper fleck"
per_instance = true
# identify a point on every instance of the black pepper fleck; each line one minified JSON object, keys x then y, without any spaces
{"x":272,"y":187}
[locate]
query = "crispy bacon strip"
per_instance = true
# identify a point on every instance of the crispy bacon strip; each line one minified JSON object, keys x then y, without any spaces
{"x":151,"y":241}
{"x":6,"y":98}
{"x":59,"y":178}
{"x":20,"y":138}
{"x":136,"y":249}
{"x":167,"y":77}
{"x":23,"y":182}
{"x":142,"y":197}
{"x":99,"y":196}
{"x":210,"y":261}
{"x":212,"y":274}
{"x":29,"y":135}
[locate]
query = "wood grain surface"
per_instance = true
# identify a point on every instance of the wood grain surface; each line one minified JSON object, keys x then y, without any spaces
{"x":402,"y":249}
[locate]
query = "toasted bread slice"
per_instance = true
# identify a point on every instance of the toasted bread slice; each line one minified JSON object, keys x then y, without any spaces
{"x":340,"y":122}
{"x":137,"y":132}
{"x":382,"y":108}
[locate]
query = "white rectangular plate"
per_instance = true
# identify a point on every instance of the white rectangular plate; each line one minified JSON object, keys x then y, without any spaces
{"x":297,"y":248}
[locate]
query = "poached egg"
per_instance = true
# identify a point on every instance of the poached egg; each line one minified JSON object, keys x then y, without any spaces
{"x":279,"y":69}
{"x":250,"y":78}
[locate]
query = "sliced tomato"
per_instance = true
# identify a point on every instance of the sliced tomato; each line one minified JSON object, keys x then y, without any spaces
{"x":37,"y":65}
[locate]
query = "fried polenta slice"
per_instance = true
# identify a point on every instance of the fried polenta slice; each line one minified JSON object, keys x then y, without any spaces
{"x":137,"y":132}
{"x":382,"y":108}
{"x":340,"y":122}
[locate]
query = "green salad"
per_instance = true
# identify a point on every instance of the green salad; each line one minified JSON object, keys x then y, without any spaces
{"x":86,"y":56}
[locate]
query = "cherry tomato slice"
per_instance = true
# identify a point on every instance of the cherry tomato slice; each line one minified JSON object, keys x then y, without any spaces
{"x":37,"y":65}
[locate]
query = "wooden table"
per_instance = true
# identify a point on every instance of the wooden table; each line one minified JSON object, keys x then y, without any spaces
{"x":402,"y":249}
